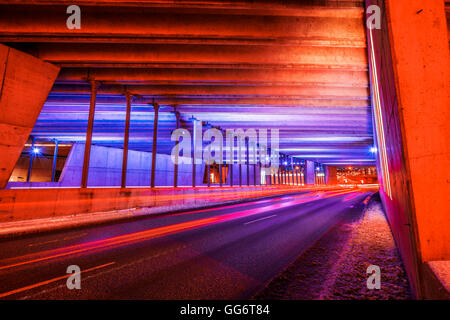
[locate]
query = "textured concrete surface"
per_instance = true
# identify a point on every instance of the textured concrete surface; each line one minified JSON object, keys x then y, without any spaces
{"x":25,"y":84}
{"x":334,"y":267}
{"x":436,"y":276}
{"x":22,"y":204}
{"x":227,"y":252}
{"x":412,"y":57}
{"x":105,"y":170}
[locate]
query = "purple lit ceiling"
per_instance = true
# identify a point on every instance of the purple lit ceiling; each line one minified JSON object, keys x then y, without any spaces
{"x":274,"y":64}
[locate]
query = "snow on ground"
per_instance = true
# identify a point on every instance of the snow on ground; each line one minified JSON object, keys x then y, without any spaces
{"x":335,"y":266}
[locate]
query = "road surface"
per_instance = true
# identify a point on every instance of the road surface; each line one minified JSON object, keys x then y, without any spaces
{"x":227,"y":252}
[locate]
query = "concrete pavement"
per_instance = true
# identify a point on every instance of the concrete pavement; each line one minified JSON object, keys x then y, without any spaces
{"x":228,"y":252}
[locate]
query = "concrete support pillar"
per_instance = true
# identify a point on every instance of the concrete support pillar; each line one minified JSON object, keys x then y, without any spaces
{"x":123,"y":183}
{"x":254,"y":164}
{"x":25,"y":84}
{"x":278,"y":175}
{"x":221,"y":163}
{"x":175,"y":169}
{"x":240,"y":159}
{"x":154,"y":145}
{"x":330,"y":175}
{"x":240,"y":174}
{"x":309,"y":174}
{"x":208,"y":160}
{"x":90,"y":128}
{"x":230,"y":157}
{"x":55,"y":159}
{"x":247,"y":159}
{"x":196,"y":148}
{"x":30,"y":165}
{"x":293,"y":172}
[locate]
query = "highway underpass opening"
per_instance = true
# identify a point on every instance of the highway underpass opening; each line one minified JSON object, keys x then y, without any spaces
{"x":143,"y":105}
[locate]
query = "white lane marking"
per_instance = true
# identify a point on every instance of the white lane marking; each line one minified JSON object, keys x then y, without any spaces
{"x":107,"y":271}
{"x":57,"y":240}
{"x":39,"y":284}
{"x":261,"y":219}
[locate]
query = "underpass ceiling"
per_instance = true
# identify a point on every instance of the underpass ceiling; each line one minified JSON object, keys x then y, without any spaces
{"x":300,"y":67}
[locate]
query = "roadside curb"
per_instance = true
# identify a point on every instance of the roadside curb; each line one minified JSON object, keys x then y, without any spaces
{"x":24,"y":228}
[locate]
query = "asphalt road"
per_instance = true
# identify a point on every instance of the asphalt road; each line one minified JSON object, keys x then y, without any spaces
{"x":229,"y":252}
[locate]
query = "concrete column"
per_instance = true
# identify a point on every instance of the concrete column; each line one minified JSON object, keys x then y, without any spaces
{"x":330,"y":175}
{"x":196,"y":148}
{"x":230,"y":143}
{"x":309,"y":174}
{"x":90,"y":128}
{"x":30,"y":165}
{"x":208,"y":161}
{"x":247,"y":159}
{"x":254,"y":164}
{"x":303,"y":174}
{"x":221,"y":163}
{"x":280,"y":175}
{"x":123,"y":182}
{"x":25,"y":84}
{"x":292,"y":172}
{"x":240,"y":160}
{"x":154,"y":144}
{"x":55,"y":159}
{"x":175,"y":169}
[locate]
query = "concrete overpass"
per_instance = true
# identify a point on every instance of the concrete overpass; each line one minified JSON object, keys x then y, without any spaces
{"x":339,"y":94}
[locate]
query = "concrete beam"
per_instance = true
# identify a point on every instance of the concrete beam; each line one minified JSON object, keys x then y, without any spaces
{"x":338,"y":9}
{"x":61,"y":100}
{"x":347,"y":93}
{"x":87,"y":54}
{"x":146,"y":25}
{"x":219,"y":76}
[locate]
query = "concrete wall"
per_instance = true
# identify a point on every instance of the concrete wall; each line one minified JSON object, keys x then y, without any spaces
{"x":22,"y":204}
{"x":25,"y":84}
{"x":42,"y":165}
{"x":412,"y":64}
{"x":42,"y":169}
{"x":105,"y":170}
